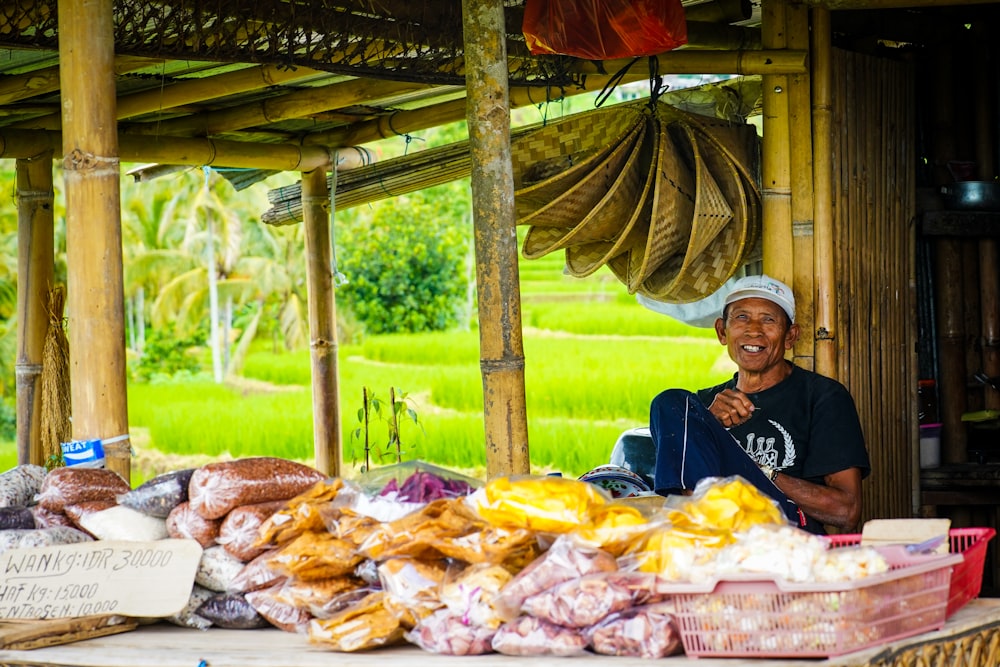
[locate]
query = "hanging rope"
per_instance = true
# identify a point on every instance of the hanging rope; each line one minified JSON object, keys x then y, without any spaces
{"x":56,"y":399}
{"x":612,"y":83}
{"x":339,"y":279}
{"x":656,"y":85}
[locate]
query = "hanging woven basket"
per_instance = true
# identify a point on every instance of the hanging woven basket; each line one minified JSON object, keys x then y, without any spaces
{"x":669,"y":201}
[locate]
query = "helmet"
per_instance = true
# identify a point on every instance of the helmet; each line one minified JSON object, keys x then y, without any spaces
{"x":617,"y":481}
{"x":636,"y":452}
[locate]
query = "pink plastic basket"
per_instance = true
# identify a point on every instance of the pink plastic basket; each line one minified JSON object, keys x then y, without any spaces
{"x":754,"y":617}
{"x":967,"y":578}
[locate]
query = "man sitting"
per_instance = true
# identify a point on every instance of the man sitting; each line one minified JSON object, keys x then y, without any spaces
{"x":792,"y":433}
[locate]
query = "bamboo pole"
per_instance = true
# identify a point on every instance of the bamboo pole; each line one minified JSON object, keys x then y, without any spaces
{"x":177,"y":150}
{"x":93,"y":228}
{"x":775,"y":168}
{"x":405,"y":122}
{"x":774,"y":58}
{"x":189,"y":91}
{"x":948,"y":261}
{"x":721,"y":35}
{"x":719,"y":11}
{"x":327,"y":443}
{"x":35,"y":271}
{"x":22,"y":86}
{"x":298,"y":104}
{"x":823,"y":253}
{"x":801,"y":165}
{"x":989,"y":281}
{"x":500,"y":336}
{"x":989,"y":271}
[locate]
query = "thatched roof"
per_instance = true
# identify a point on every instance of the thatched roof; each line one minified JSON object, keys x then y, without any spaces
{"x":314,"y":73}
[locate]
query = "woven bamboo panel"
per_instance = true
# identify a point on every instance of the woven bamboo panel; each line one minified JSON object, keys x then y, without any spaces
{"x":980,"y":648}
{"x":874,"y":240}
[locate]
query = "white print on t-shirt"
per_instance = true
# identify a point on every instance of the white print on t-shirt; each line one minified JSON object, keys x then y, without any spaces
{"x":762,"y":449}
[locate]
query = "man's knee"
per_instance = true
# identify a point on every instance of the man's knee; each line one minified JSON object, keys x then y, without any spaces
{"x":671,"y":398}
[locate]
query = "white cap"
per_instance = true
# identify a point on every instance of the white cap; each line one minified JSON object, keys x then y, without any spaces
{"x":764,"y":287}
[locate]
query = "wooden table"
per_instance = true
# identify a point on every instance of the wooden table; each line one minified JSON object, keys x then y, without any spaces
{"x":971,"y":638}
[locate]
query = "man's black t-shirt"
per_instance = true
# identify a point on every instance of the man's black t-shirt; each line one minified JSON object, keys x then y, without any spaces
{"x":806,"y":426}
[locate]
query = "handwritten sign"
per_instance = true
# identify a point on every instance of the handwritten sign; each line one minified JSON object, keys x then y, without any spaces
{"x":104,"y":577}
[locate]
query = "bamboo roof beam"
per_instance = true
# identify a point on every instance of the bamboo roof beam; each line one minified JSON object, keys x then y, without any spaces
{"x":721,"y":36}
{"x":44,"y":81}
{"x":693,"y":61}
{"x":717,"y":11}
{"x":404,"y":122}
{"x":293,"y":105}
{"x":189,"y":91}
{"x":176,"y":150}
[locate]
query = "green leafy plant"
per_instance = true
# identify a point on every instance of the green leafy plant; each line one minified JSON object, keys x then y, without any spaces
{"x":167,"y":354}
{"x":392,"y":414}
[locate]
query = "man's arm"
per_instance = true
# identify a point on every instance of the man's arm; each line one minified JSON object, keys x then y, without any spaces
{"x":837,"y":504}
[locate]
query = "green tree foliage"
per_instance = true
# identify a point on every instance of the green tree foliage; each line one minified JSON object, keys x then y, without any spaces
{"x":166,"y":355}
{"x":406,"y":261}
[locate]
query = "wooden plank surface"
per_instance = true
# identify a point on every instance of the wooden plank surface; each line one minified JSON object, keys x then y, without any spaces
{"x":36,"y":634}
{"x":163,"y":645}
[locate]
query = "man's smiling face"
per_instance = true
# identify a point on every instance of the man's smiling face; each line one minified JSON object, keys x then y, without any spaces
{"x":757,"y":333}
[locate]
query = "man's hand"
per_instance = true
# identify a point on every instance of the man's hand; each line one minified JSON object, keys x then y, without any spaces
{"x":731,"y":407}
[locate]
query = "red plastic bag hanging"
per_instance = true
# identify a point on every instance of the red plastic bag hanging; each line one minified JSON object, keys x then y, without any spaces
{"x":603,"y":29}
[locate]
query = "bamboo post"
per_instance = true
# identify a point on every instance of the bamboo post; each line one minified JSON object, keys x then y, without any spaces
{"x":801,"y":165}
{"x":823,"y":252}
{"x":989,"y":281}
{"x":948,"y":262}
{"x":776,"y":192}
{"x":989,"y":272}
{"x":93,"y":228}
{"x":500,"y":337}
{"x":35,"y":270}
{"x":327,"y":440}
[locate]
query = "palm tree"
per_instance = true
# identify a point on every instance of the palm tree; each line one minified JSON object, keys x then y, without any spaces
{"x":198,"y":246}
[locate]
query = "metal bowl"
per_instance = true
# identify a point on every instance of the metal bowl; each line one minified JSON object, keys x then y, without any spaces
{"x":972,"y":196}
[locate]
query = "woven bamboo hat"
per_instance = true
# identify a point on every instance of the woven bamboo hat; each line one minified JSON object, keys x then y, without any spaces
{"x":712,"y":214}
{"x":551,"y":159}
{"x":717,"y":245}
{"x":673,"y":209}
{"x":614,"y":188}
{"x":569,"y":210}
{"x":584,"y":259}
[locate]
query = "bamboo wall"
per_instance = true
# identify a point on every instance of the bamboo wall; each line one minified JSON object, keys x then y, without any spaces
{"x":874,"y":237}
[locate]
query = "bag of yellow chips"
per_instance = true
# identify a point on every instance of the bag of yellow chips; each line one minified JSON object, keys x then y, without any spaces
{"x":729,"y":504}
{"x":699,"y":525}
{"x":542,"y":504}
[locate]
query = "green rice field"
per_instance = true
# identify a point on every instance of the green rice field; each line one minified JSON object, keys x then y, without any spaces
{"x":594,"y":358}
